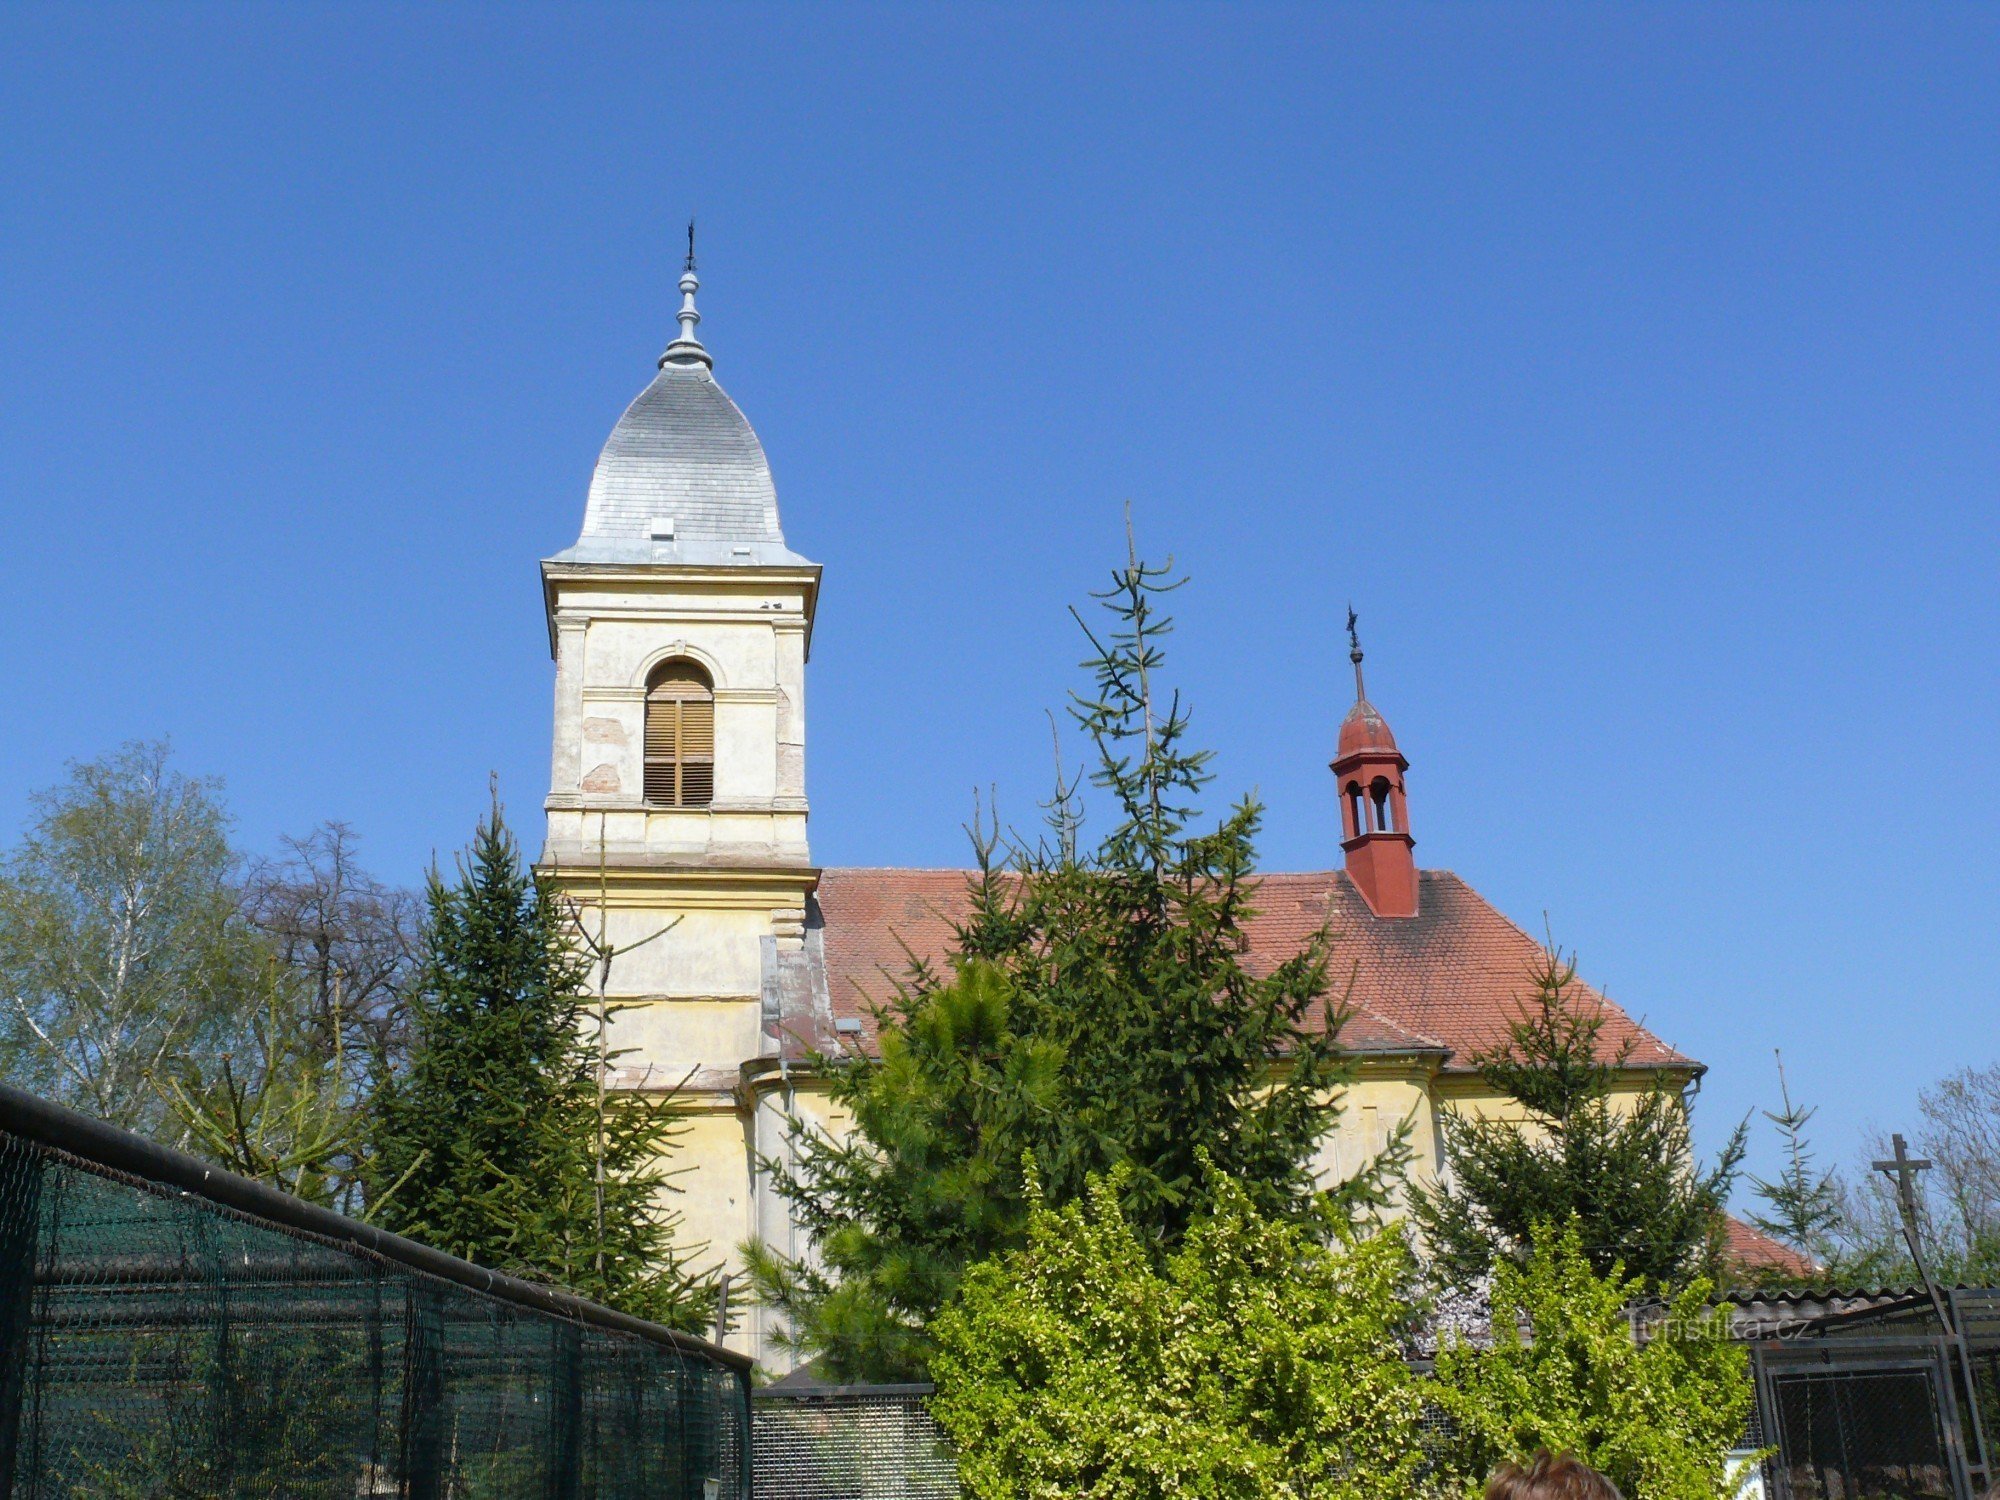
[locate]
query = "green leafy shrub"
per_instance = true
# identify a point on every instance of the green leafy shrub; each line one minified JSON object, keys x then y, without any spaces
{"x":1658,"y":1416}
{"x":1257,"y":1361}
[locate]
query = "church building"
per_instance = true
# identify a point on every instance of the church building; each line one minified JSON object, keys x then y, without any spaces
{"x":681,"y":626}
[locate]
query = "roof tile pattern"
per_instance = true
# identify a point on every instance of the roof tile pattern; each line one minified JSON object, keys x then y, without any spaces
{"x":1447,"y":980}
{"x":683,"y":450}
{"x":1747,"y":1251}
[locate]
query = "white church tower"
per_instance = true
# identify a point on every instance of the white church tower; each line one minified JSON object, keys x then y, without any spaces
{"x":680,"y":624}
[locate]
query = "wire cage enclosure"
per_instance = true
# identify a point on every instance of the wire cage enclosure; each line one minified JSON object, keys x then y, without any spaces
{"x":170,"y":1330}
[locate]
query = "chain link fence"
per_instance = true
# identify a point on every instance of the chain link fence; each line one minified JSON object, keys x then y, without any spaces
{"x":872,"y":1442}
{"x":169,"y":1330}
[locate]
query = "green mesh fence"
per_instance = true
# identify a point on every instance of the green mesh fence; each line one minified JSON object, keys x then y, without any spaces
{"x":162,"y":1337}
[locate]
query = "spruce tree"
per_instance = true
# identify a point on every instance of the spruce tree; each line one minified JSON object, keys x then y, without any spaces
{"x":1803,"y":1204}
{"x":487,"y":1144}
{"x":1622,"y":1168}
{"x":1099,"y":1010}
{"x":932,"y":1177}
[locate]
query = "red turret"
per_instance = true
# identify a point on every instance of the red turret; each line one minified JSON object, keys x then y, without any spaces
{"x":1375,"y":819}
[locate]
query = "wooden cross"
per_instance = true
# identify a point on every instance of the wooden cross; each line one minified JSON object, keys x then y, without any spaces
{"x":1904,"y":1168}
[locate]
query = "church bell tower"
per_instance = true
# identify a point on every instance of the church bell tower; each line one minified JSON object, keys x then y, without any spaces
{"x":680,"y":625}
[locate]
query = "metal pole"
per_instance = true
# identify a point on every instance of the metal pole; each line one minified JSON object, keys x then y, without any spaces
{"x":422,"y":1443}
{"x":566,"y":1412}
{"x":20,"y":1236}
{"x":746,"y":1461}
{"x":1978,"y":1456}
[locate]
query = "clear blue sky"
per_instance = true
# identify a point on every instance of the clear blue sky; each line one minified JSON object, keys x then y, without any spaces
{"x":1636,"y":371}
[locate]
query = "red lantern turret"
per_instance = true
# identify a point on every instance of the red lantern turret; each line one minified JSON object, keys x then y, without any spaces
{"x":1374,"y":814}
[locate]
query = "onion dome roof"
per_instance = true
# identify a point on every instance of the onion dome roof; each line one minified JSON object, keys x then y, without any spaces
{"x":1364,"y":729}
{"x":683,"y":477}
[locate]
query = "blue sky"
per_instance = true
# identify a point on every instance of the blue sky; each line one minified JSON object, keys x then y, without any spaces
{"x":1634,"y":369}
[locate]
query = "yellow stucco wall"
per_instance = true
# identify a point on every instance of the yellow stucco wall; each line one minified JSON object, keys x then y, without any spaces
{"x":724,"y":1202}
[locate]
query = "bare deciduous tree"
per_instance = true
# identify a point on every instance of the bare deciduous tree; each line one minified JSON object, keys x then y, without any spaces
{"x":1959,"y":1195}
{"x":351,"y":940}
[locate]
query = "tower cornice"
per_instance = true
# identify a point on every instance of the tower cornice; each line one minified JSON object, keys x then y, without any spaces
{"x":660,"y":577}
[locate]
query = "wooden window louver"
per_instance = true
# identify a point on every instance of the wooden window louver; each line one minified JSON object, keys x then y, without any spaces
{"x":680,"y":737}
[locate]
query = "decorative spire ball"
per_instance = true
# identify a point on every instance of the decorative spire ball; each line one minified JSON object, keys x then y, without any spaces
{"x":687,"y":349}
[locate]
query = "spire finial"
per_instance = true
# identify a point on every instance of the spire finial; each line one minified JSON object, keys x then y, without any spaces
{"x":687,"y":348}
{"x":1354,"y":652}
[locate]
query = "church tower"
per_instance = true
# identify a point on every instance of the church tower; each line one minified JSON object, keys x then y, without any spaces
{"x":680,"y":624}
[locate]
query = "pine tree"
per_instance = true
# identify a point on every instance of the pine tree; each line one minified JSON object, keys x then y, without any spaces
{"x":1622,"y":1168}
{"x":1099,"y":1010}
{"x":488,"y":1143}
{"x":1804,"y":1203}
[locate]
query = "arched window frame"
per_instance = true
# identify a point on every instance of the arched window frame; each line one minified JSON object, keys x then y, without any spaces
{"x":680,"y":734}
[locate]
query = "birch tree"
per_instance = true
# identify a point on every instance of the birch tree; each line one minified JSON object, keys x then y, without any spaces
{"x":120,"y":948}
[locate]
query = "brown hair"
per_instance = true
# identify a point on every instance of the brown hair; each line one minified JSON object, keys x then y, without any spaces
{"x":1546,"y":1478}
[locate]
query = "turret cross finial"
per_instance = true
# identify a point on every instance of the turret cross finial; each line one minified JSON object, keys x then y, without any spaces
{"x":690,"y":260}
{"x":1354,"y":651}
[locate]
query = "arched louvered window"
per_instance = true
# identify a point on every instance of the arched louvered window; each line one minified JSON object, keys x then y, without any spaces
{"x":680,"y":736}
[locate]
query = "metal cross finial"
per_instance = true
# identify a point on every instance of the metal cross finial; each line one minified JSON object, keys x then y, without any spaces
{"x":1354,"y":651}
{"x":687,"y":348}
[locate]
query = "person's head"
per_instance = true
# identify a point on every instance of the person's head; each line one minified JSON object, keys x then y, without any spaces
{"x":1546,"y":1478}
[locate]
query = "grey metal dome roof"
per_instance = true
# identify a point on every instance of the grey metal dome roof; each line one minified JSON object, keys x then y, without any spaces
{"x":682,"y":477}
{"x":684,"y":452}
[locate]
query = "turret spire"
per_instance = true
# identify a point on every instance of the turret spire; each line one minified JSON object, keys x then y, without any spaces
{"x":687,"y":349}
{"x":1374,"y":816}
{"x":1354,"y":654}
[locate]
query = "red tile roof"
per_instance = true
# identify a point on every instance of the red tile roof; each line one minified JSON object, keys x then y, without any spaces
{"x":1748,"y":1250}
{"x":1448,"y":979}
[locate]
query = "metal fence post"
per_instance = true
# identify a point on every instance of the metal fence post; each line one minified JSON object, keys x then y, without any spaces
{"x":746,"y":1458}
{"x":20,"y":1235}
{"x":423,"y":1393}
{"x":565,"y":1412}
{"x":1945,"y":1378}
